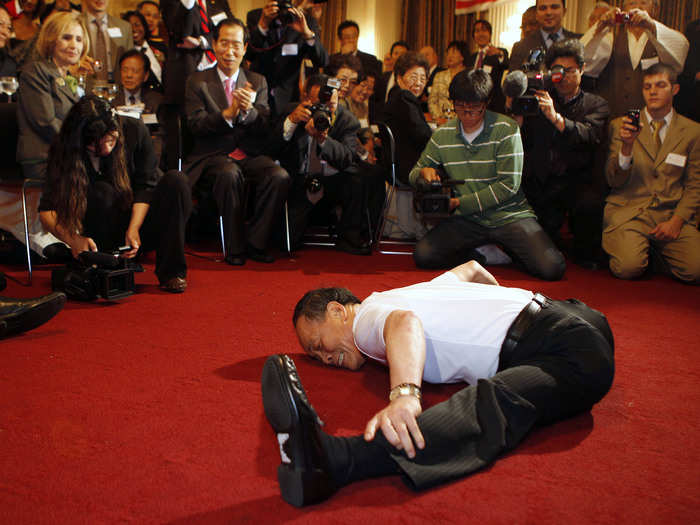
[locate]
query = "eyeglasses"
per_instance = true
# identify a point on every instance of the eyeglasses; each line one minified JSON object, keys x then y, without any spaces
{"x":350,"y":81}
{"x":416,"y":79}
{"x":470,"y":110}
{"x":571,"y":71}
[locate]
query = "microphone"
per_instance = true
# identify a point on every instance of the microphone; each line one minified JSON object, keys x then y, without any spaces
{"x":515,"y":84}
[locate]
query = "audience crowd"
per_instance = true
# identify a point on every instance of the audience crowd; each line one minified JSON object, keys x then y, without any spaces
{"x":599,"y":160}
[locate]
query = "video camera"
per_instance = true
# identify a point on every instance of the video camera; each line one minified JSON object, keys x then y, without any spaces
{"x":432,"y":198}
{"x":521,"y":85}
{"x":285,"y":5}
{"x":95,"y":275}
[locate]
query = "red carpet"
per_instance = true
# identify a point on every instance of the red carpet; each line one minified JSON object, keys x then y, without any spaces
{"x":149,"y":410}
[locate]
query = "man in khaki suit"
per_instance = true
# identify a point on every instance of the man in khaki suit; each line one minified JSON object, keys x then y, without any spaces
{"x":654,"y":173}
{"x":110,"y":38}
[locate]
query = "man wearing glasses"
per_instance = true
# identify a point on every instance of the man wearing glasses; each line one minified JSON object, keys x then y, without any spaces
{"x":484,"y":150}
{"x":560,"y":142}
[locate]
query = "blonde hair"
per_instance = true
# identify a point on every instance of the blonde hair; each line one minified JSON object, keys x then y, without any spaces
{"x":52,"y":29}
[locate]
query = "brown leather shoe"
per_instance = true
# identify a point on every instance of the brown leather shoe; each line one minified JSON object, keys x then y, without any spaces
{"x":174,"y":285}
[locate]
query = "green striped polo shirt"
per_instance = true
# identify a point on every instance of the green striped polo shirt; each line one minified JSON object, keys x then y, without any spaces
{"x":491,"y":168}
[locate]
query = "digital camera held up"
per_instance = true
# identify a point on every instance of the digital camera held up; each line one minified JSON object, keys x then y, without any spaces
{"x":321,"y":111}
{"x":521,"y":85}
{"x":432,"y":198}
{"x":95,"y":275}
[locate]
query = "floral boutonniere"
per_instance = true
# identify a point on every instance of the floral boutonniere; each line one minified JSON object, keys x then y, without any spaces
{"x":72,"y":83}
{"x":60,"y":82}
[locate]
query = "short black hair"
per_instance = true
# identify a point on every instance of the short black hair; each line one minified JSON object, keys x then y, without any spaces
{"x":462,"y":47}
{"x":571,"y":47}
{"x":401,"y":43}
{"x":563,"y":3}
{"x":484,"y":23}
{"x":138,"y":54}
{"x":230,"y":22}
{"x":409,"y":60}
{"x":318,"y":79}
{"x":348,"y":61}
{"x":314,"y":302}
{"x":129,"y":14}
{"x":661,"y":69}
{"x":141,"y":4}
{"x":471,"y":86}
{"x":347,"y":23}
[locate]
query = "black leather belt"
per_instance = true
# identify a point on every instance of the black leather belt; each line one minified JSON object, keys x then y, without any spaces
{"x":521,"y":324}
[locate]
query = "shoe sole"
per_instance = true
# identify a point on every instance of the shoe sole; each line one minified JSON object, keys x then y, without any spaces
{"x":298,"y":487}
{"x":36,"y":316}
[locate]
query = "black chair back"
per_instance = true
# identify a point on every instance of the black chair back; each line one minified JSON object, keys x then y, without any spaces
{"x":387,"y":159}
{"x":9,"y":132}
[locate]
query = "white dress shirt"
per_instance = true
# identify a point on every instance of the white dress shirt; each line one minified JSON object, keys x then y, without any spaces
{"x":155,"y":65}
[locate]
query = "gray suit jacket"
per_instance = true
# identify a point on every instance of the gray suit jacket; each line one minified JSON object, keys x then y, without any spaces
{"x":117,"y":45}
{"x":44,"y":100}
{"x":652,"y":183}
{"x":522,"y":48}
{"x":205,"y":99}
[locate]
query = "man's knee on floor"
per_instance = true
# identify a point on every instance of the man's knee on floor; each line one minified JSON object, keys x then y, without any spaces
{"x":551,"y":265}
{"x":426,"y":256}
{"x":687,"y":270}
{"x":626,"y":266}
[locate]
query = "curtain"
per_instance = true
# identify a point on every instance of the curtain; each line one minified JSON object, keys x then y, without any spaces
{"x":334,"y":12}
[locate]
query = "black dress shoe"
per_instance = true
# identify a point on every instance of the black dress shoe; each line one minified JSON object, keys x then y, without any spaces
{"x":22,"y":315}
{"x":348,"y":246}
{"x":304,"y":474}
{"x":235,"y":259}
{"x":259,"y":255}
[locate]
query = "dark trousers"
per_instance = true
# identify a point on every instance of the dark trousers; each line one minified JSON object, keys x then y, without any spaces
{"x":449,"y":243}
{"x":226,"y":180}
{"x":347,"y":189}
{"x":163,"y":229}
{"x":562,"y":366}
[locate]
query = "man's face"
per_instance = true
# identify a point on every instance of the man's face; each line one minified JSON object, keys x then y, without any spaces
{"x":429,"y":54}
{"x":569,"y":85}
{"x":137,"y":29}
{"x":152,"y":16}
{"x":5,"y":27}
{"x":349,"y":35}
{"x":645,"y":5}
{"x":229,"y":49}
{"x":132,"y":73}
{"x":314,"y":98}
{"x":549,"y":14}
{"x":397,"y":52}
{"x":482,"y":35}
{"x":330,"y":340}
{"x":529,"y":23}
{"x":348,"y":80}
{"x":658,"y":92}
{"x":470,"y":114}
{"x":95,"y":7}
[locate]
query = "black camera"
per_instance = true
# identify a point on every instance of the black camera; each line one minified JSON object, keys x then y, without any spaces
{"x":633,"y":114}
{"x":312,"y":183}
{"x":285,"y":5}
{"x":321,"y":111}
{"x":538,"y":79}
{"x":95,"y":275}
{"x":432,"y":198}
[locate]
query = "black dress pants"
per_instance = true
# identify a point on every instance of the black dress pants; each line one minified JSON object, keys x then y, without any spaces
{"x":226,"y":180}
{"x":163,"y":229}
{"x":562,"y":366}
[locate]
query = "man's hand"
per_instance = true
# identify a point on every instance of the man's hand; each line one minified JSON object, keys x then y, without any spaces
{"x":628,"y":134}
{"x":80,"y":244}
{"x":397,"y":422}
{"x":607,"y":20}
{"x":244,"y":96}
{"x":133,"y":239}
{"x":642,"y":19}
{"x":668,"y":230}
{"x":320,"y":136}
{"x":454,"y":203}
{"x":189,"y":42}
{"x":231,"y":112}
{"x":269,"y":12}
{"x":546,"y":105}
{"x":301,"y":113}
{"x":429,"y":174}
{"x":300,"y":25}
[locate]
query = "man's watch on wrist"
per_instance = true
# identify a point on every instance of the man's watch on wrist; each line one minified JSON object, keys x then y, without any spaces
{"x":405,"y":389}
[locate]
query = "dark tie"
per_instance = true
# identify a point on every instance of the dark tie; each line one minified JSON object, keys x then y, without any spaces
{"x":204,"y":19}
{"x":480,"y":60}
{"x":132,"y":99}
{"x":101,"y":52}
{"x":553,"y":37}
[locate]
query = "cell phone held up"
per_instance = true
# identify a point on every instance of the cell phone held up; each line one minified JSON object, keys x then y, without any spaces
{"x":633,"y":115}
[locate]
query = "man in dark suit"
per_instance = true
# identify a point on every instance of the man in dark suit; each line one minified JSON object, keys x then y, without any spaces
{"x":190,"y":25}
{"x":348,"y":34}
{"x":434,"y":68}
{"x":493,"y":60}
{"x":386,"y":82}
{"x":329,"y":156}
{"x":133,"y":69}
{"x":523,"y":360}
{"x":110,"y":38}
{"x":279,"y":43}
{"x":227,"y":114}
{"x":549,"y":16}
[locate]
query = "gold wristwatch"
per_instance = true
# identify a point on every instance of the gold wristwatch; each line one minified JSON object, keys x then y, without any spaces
{"x":405,"y":389}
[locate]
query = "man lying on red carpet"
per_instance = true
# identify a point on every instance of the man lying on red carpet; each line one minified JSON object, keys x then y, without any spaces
{"x":527,"y":360}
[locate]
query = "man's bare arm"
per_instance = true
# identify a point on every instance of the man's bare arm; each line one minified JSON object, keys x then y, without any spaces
{"x":473,"y":272}
{"x":405,"y":352}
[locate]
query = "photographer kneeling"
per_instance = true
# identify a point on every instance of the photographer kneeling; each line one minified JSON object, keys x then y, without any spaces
{"x":483,"y":149}
{"x":103,"y":191}
{"x":561,"y":142}
{"x":319,"y":148}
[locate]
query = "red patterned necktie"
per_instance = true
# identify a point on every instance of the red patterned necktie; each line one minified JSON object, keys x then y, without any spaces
{"x":205,"y":28}
{"x":480,"y":60}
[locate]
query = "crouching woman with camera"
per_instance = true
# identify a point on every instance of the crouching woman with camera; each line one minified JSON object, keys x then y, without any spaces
{"x":103,"y":191}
